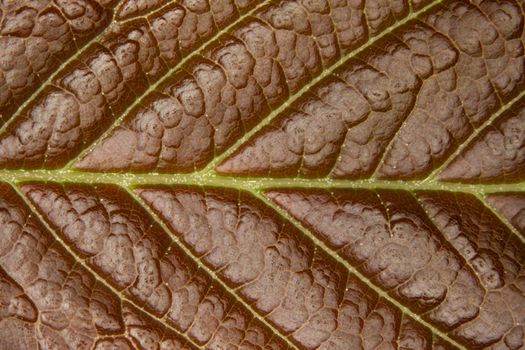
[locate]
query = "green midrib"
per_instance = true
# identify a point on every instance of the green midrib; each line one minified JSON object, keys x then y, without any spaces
{"x":213,"y":179}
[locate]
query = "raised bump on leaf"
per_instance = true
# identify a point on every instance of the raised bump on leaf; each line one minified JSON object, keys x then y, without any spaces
{"x":281,"y":56}
{"x":103,"y":81}
{"x":132,"y":8}
{"x":206,"y":261}
{"x":496,"y":154}
{"x":496,"y":255}
{"x":248,"y":73}
{"x":17,"y":315}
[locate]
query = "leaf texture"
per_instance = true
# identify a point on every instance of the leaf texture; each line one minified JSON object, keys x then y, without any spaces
{"x":35,"y":36}
{"x":278,"y":174}
{"x":41,"y":281}
{"x":434,"y":83}
{"x":511,"y":206}
{"x":112,"y":234}
{"x":463,"y":264}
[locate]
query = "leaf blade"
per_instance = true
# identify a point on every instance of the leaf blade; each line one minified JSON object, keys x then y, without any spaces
{"x":198,"y":259}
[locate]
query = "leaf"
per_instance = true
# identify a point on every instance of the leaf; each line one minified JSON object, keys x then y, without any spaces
{"x":222,"y":174}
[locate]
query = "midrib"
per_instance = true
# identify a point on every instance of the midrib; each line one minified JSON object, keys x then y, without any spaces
{"x":212,"y":179}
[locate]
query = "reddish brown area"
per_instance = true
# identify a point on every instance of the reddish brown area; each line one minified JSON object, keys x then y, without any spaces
{"x":365,"y":99}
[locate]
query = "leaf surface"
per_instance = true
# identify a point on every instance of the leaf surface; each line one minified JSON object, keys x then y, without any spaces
{"x":234,"y":174}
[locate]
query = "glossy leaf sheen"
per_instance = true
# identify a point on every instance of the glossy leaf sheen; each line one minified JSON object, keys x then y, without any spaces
{"x":239,"y":174}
